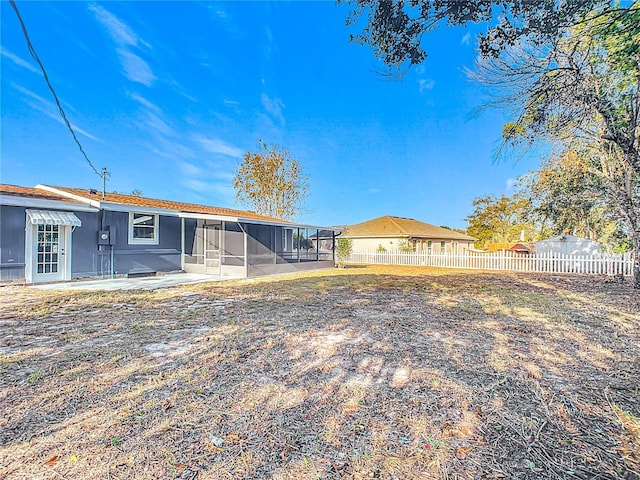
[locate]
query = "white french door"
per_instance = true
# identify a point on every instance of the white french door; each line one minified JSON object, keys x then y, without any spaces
{"x":50,"y":251}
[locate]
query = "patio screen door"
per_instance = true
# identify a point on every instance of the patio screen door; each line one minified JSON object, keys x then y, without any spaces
{"x":212,"y":248}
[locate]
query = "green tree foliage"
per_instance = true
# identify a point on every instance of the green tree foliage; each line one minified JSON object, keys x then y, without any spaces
{"x":271,"y":182}
{"x":500,"y":220}
{"x":395,"y":28}
{"x":344,"y":247}
{"x":569,"y":195}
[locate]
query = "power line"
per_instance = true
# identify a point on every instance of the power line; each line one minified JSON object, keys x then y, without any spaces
{"x":55,"y":96}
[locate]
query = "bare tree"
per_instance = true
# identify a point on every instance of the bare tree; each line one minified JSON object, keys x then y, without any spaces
{"x":271,"y":182}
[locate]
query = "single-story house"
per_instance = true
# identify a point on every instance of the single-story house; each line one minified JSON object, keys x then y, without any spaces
{"x":568,"y":245}
{"x":52,"y":234}
{"x":393,"y":233}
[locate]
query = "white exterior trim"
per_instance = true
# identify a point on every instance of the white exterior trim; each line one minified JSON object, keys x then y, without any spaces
{"x":30,"y":252}
{"x":144,"y":241}
{"x":18,"y":201}
{"x":50,"y":217}
{"x":62,"y":193}
{"x":208,"y":216}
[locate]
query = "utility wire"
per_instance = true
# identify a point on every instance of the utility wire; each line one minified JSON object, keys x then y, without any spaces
{"x":55,"y":96}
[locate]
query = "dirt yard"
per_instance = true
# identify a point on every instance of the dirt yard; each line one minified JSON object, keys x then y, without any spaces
{"x":359,"y":373}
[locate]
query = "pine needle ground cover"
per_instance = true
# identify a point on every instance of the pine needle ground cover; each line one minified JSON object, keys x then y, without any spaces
{"x":358,"y":373}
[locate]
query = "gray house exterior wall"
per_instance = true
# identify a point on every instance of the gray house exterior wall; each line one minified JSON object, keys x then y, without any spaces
{"x":138,"y":259}
{"x":12,"y":238}
{"x":88,"y":259}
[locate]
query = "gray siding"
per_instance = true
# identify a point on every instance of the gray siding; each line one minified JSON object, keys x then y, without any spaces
{"x":88,"y":259}
{"x":85,"y":259}
{"x":12,"y":235}
{"x":133,"y":259}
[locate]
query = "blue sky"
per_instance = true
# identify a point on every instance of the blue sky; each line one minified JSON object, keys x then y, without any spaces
{"x":170,"y":95}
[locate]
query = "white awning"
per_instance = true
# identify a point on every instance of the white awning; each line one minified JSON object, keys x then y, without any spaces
{"x":46,"y":217}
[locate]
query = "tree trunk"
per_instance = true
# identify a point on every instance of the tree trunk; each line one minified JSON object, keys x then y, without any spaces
{"x":636,"y":259}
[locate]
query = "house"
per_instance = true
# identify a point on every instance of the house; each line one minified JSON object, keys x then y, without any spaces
{"x":393,"y":233}
{"x":58,"y":233}
{"x":512,"y":247}
{"x":568,"y":245}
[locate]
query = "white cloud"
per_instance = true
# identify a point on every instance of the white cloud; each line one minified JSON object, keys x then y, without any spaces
{"x":146,"y":103}
{"x":465,"y":39}
{"x":133,"y":66}
{"x":510,"y":183}
{"x":425,"y":84}
{"x":189,"y":169}
{"x":169,"y":149}
{"x":120,"y":32}
{"x":197,"y":185}
{"x":17,"y":60}
{"x":208,"y":187}
{"x":274,"y":107}
{"x":49,"y":109}
{"x":214,"y":145}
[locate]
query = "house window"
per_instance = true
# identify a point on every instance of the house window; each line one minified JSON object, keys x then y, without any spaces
{"x":442,"y":244}
{"x":429,"y":246}
{"x":143,"y":228}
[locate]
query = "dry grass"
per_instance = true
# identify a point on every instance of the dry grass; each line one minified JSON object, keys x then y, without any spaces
{"x":394,"y":373}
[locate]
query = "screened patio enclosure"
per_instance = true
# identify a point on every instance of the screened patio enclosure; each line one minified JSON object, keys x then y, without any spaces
{"x":237,"y":248}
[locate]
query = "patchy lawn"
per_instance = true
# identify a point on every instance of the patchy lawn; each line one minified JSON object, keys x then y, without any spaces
{"x":358,"y":373}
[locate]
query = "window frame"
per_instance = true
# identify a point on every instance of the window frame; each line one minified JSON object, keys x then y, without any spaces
{"x":144,"y":241}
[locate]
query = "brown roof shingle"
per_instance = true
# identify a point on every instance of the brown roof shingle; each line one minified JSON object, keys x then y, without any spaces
{"x":389,"y":226}
{"x":18,"y":191}
{"x":133,"y":200}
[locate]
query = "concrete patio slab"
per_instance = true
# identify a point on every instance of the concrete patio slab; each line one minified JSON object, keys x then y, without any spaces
{"x":139,"y":283}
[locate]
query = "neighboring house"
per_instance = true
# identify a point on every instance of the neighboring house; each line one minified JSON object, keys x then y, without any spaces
{"x":392,"y":233}
{"x":57,"y":233}
{"x":512,"y":247}
{"x":520,"y":248}
{"x":568,"y":245}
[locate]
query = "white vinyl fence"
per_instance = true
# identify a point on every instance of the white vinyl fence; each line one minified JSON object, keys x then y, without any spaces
{"x":604,"y":264}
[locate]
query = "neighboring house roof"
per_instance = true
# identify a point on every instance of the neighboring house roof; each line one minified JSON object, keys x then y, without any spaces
{"x":519,"y":248}
{"x":389,"y":226}
{"x":514,"y":247}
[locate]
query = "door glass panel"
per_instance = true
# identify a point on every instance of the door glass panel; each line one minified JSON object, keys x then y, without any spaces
{"x":48,"y":243}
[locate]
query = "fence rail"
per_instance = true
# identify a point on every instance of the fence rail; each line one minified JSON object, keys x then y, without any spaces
{"x":604,"y":264}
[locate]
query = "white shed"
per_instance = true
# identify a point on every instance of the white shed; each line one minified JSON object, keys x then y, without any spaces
{"x":568,"y":245}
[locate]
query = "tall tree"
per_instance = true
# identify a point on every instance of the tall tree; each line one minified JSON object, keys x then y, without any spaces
{"x":572,"y":69}
{"x":570,"y":193}
{"x":271,"y":182}
{"x":583,"y":94}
